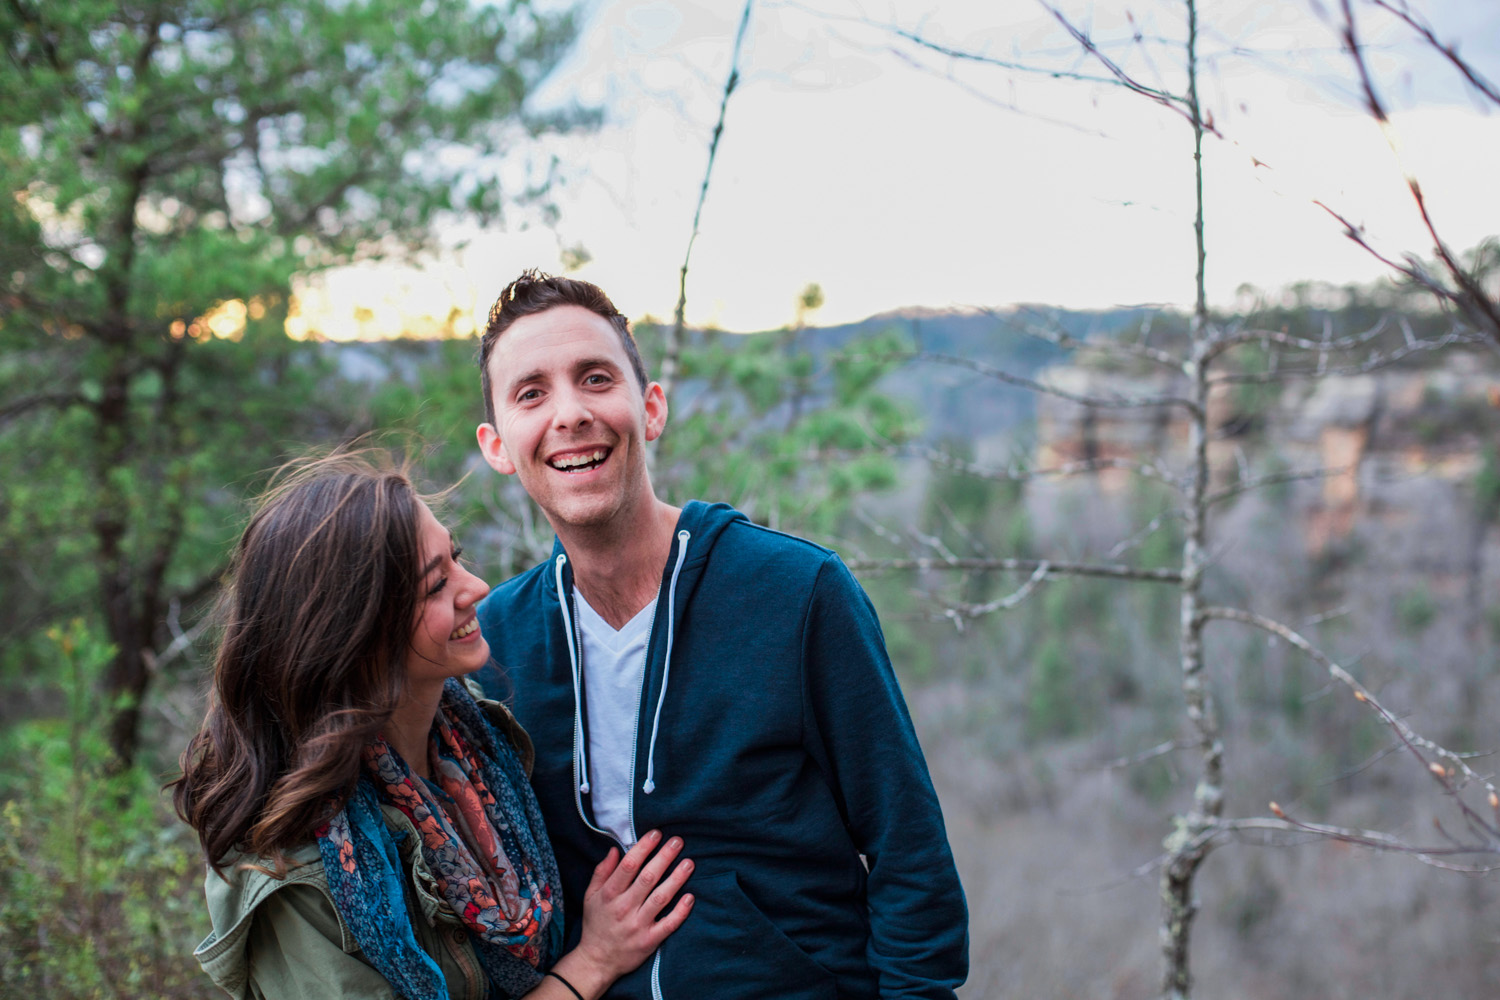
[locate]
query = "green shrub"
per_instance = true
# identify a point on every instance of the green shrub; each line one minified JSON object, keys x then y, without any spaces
{"x":100,"y":886}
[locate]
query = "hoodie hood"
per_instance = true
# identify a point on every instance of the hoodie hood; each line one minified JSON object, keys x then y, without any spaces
{"x":702,"y":521}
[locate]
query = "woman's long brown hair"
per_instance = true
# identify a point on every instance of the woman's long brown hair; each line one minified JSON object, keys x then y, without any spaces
{"x":316,"y":626}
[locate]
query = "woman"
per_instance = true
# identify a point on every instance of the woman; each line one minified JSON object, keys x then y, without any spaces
{"x":368,"y":825}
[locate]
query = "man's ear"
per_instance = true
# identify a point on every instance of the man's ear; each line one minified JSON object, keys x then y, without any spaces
{"x":656,"y":411}
{"x":493,"y":450}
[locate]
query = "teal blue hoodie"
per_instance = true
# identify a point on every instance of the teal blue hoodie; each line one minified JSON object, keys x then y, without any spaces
{"x":773,"y":738}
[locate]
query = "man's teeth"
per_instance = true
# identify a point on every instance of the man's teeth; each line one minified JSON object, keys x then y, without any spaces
{"x":574,"y":461}
{"x":464,"y":630}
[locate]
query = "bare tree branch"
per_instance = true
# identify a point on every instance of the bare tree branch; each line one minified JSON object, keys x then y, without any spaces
{"x":957,"y":613}
{"x":1053,"y":333}
{"x":1452,"y":776}
{"x":1167,"y":100}
{"x":1016,"y":473}
{"x":1284,"y":823}
{"x":988,"y":60}
{"x":1272,"y":479}
{"x":1054,"y":568}
{"x":1132,"y":760}
{"x":1107,"y":402}
{"x":1225,"y":341}
{"x":1352,"y":46}
{"x":1472,"y":301}
{"x":1450,"y":52}
{"x":1374,"y":362}
{"x":990,"y":99}
{"x":1124,"y":545}
{"x":672,"y":355}
{"x":182,"y":640}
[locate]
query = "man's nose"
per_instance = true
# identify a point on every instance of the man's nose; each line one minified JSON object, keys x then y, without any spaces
{"x":571,"y":409}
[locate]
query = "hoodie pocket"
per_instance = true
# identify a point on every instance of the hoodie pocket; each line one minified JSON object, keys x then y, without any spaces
{"x":729,"y":950}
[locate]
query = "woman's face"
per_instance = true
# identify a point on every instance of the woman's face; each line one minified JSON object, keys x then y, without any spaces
{"x":445,"y":641}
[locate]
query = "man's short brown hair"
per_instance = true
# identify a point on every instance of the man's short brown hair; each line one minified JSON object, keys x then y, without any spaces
{"x":536,"y":291}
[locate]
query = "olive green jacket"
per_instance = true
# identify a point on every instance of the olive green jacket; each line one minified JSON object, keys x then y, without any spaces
{"x":282,"y":939}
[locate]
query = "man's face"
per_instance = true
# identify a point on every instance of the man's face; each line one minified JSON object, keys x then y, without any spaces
{"x":571,"y":420}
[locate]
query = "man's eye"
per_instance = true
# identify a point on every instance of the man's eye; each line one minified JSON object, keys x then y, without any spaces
{"x":596,"y":379}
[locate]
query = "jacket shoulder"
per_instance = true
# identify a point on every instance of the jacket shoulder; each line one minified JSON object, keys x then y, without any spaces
{"x":749,"y":538}
{"x":246,"y":884}
{"x":530,"y":585}
{"x":759,"y":557}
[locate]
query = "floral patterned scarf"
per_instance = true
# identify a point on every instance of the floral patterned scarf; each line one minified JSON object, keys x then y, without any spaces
{"x":482,"y":840}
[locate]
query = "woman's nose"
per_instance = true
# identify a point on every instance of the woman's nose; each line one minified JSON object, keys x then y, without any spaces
{"x":475,"y":589}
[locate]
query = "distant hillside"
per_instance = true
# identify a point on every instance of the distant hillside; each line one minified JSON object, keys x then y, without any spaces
{"x":952,"y":403}
{"x":959,"y":404}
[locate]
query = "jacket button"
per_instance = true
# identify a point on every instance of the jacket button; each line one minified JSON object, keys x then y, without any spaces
{"x":458,"y":935}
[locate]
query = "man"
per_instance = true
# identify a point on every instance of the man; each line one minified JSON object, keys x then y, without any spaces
{"x":685,"y":670}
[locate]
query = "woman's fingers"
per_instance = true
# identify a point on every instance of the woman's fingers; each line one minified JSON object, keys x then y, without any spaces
{"x":623,"y":877}
{"x":624,"y":899}
{"x":669,"y":887}
{"x":652,"y":871}
{"x":663,"y":928}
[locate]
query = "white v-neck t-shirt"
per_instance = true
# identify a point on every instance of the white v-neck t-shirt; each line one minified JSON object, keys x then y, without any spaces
{"x":614,"y":666}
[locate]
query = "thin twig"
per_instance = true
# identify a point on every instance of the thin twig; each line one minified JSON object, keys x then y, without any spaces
{"x":988,"y":60}
{"x":1272,"y":479}
{"x":1225,"y":341}
{"x":1375,"y":839}
{"x":1374,"y":362}
{"x":1055,"y":334}
{"x":1124,"y":545}
{"x":1131,"y":760}
{"x":1470,"y":298}
{"x":1015,"y":473}
{"x":672,"y":356}
{"x":1419,"y":746}
{"x":1449,"y":52}
{"x":1107,"y":402}
{"x":1054,"y":568}
{"x":956,"y":613}
{"x":1162,"y":97}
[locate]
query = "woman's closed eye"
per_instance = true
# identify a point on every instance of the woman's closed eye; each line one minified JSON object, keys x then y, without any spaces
{"x":456,"y":555}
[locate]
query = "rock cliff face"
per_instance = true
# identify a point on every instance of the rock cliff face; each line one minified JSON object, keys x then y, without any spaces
{"x":1370,"y":435}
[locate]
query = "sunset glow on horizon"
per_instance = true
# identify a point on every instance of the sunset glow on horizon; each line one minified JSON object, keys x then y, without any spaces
{"x":897,"y":178}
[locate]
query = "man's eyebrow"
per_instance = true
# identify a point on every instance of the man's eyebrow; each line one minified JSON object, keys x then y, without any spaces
{"x":535,"y":375}
{"x":583,"y":364}
{"x":599,"y":362}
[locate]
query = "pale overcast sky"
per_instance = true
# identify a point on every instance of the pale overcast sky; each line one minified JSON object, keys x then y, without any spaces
{"x":896,"y":176}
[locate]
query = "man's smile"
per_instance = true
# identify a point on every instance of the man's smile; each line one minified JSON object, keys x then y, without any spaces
{"x":579,"y":461}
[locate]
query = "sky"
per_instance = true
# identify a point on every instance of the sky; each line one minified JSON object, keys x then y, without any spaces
{"x":896,"y":176}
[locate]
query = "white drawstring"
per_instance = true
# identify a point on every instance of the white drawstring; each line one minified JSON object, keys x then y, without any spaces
{"x":579,"y":739}
{"x":666,"y":670}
